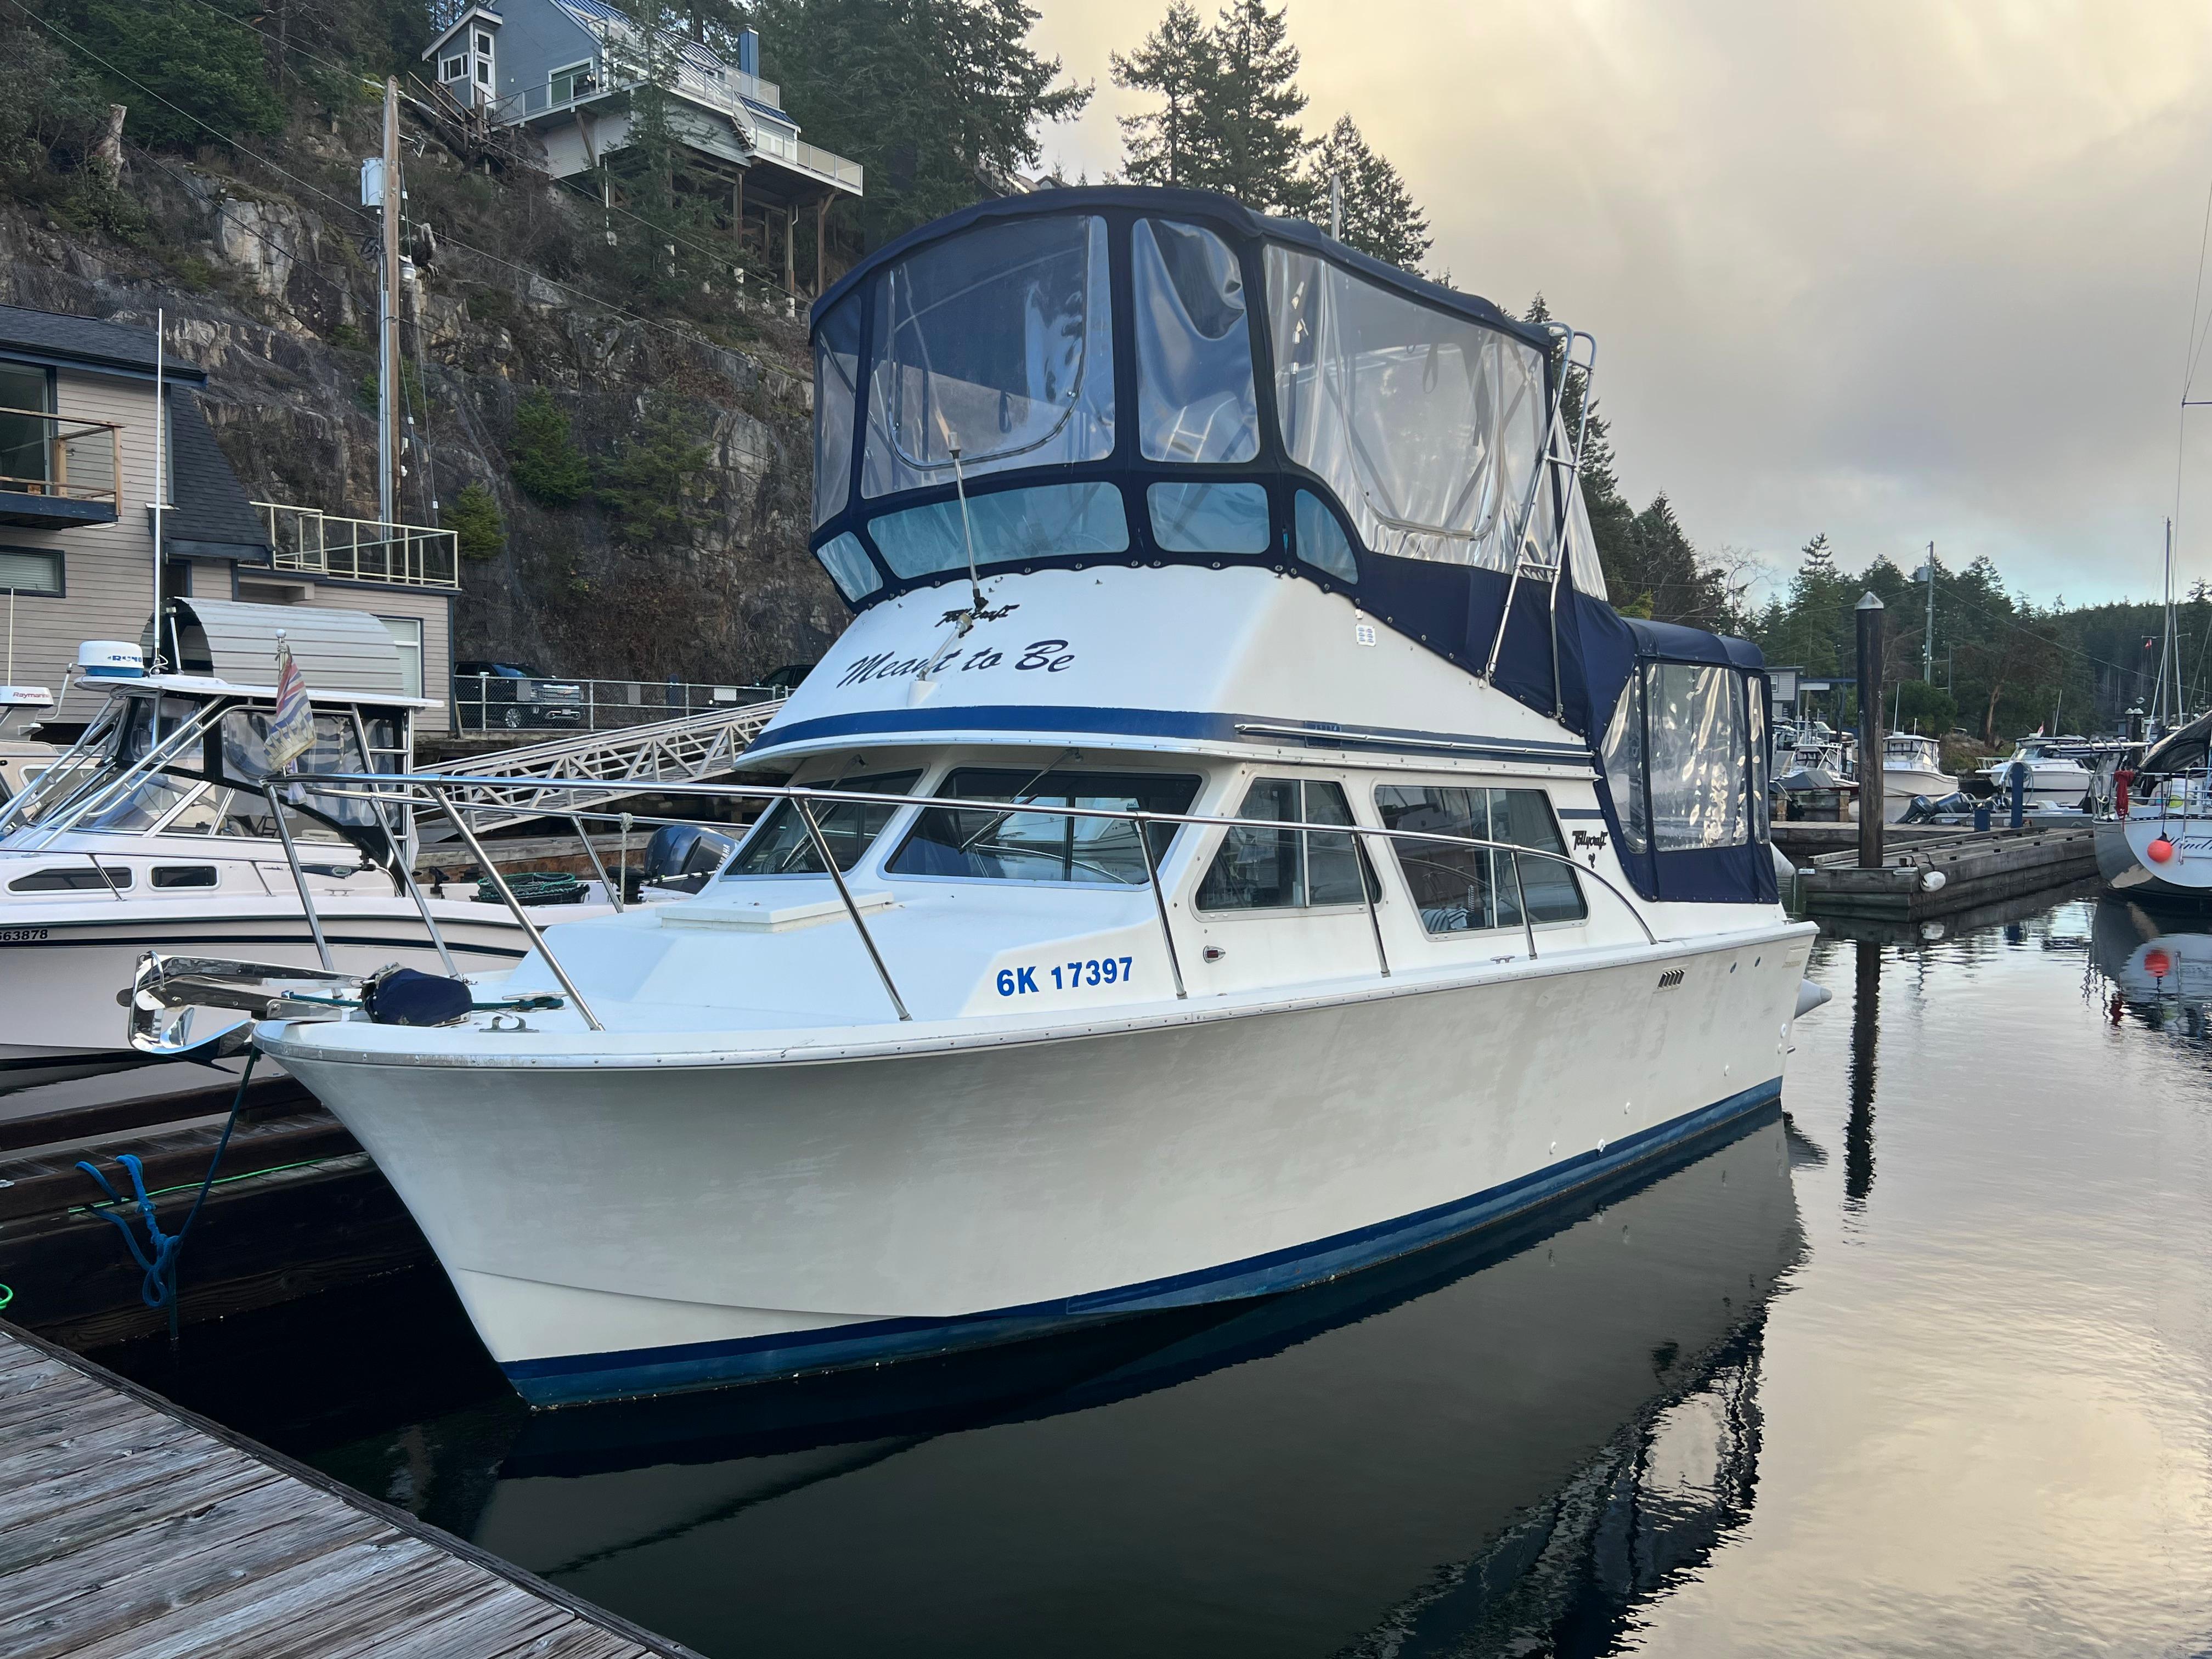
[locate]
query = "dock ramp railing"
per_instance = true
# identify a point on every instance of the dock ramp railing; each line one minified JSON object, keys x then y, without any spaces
{"x":555,"y":779}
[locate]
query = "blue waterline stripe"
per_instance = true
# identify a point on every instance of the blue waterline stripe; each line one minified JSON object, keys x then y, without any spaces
{"x":570,"y":1379}
{"x":1153,"y":723}
{"x":170,"y":940}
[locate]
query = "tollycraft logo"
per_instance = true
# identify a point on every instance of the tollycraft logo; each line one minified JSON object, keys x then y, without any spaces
{"x":1052,"y":656}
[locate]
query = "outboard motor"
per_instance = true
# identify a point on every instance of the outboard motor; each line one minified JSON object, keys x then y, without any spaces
{"x":682,"y":856}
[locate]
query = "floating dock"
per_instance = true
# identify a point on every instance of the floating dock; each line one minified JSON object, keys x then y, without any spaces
{"x":130,"y":1526}
{"x":1975,"y":867}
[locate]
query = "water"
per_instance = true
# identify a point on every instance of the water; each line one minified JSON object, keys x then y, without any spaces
{"x":1924,"y":1367}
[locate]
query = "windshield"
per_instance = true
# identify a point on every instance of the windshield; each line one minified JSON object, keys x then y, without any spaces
{"x":1012,"y":846}
{"x":782,"y":846}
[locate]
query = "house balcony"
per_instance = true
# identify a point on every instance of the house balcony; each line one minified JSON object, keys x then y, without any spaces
{"x":741,"y":99}
{"x":56,"y":473}
{"x":335,"y":549}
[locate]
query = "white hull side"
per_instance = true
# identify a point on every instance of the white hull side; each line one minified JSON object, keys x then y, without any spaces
{"x":1900,"y":784}
{"x":62,"y":968}
{"x":624,"y":1230}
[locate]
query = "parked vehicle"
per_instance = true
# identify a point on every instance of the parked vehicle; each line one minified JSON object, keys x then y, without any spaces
{"x":514,"y":695}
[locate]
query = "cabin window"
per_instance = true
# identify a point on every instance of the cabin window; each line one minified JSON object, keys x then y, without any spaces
{"x":1461,"y":890}
{"x":1699,"y":765}
{"x":998,"y":344}
{"x":1195,"y":400}
{"x":1428,"y":425}
{"x":407,"y":638}
{"x":184,"y":875}
{"x":1622,"y":755}
{"x":1286,"y":869}
{"x":983,"y":845}
{"x":781,"y":845}
{"x":453,"y":69}
{"x":570,"y":83}
{"x":71,"y":878}
{"x":836,"y":382}
{"x":1209,"y":517}
{"x":848,"y":567}
{"x":1321,"y":542}
{"x":1055,"y":522}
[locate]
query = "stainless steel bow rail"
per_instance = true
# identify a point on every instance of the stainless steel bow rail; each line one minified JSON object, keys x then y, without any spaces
{"x":414,"y":789}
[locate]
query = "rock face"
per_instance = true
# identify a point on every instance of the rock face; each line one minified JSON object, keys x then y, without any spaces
{"x":278,"y":304}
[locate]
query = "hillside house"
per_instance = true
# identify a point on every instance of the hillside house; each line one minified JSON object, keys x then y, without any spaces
{"x":77,"y":435}
{"x":564,"y":69}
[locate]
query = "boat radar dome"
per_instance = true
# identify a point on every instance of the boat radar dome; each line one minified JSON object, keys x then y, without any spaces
{"x":26,"y":696}
{"x":111,"y":660}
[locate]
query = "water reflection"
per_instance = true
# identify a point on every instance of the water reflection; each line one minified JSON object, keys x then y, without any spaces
{"x":1866,"y":1041}
{"x":2155,"y":968}
{"x":1495,"y":1450}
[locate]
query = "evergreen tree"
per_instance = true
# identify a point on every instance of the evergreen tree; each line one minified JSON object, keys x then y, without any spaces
{"x":1246,"y":142}
{"x":474,"y":518}
{"x":941,"y":99}
{"x":1380,"y":218}
{"x":205,"y":60}
{"x":653,"y":484}
{"x":1177,"y":62}
{"x":545,"y":462}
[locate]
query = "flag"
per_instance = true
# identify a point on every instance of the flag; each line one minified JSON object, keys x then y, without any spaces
{"x":292,"y":727}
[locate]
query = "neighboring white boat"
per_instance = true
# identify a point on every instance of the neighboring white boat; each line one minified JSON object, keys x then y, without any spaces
{"x":1281,"y":858}
{"x":2060,"y":771}
{"x":1912,"y":765}
{"x":2154,"y":844}
{"x":22,"y":757}
{"x":149,"y":834}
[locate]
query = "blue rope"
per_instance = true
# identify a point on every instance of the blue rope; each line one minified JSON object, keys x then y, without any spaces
{"x":158,"y":1256}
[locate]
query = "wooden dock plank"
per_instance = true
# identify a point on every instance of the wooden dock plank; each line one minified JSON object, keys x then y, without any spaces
{"x":130,"y":1527}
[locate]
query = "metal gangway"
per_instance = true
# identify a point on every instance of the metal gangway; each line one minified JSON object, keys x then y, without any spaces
{"x":635,"y":760}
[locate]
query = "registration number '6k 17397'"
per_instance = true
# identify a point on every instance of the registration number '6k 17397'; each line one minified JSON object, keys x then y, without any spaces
{"x":1066,"y":975}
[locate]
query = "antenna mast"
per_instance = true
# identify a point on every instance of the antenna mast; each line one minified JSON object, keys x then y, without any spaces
{"x":387,"y":376}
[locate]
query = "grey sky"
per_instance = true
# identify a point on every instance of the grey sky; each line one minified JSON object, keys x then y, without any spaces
{"x":1898,"y":271}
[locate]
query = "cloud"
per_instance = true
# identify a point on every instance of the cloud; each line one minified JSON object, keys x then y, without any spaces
{"x":1901,"y":272}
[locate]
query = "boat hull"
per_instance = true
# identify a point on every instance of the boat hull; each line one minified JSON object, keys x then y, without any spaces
{"x":2127,"y":871}
{"x":623,"y":1230}
{"x":61,"y":970}
{"x":1899,"y":784}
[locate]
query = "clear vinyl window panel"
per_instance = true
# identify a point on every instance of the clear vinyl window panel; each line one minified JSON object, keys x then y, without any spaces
{"x":782,"y":846}
{"x":1428,"y":426}
{"x":1463,"y":890}
{"x":1195,"y":396}
{"x":980,"y":844}
{"x":1621,"y":755}
{"x":1700,"y":764}
{"x":837,"y":405}
{"x":1056,"y":521}
{"x":1286,"y":869}
{"x":998,"y":343}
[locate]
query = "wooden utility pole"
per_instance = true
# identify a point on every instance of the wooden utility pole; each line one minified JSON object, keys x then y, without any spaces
{"x":388,"y":389}
{"x":1869,"y":621}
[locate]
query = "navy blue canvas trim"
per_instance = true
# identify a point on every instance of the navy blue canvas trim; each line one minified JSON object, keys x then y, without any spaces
{"x":574,"y":1378}
{"x":1161,"y":723}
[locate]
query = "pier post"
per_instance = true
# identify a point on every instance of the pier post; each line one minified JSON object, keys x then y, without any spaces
{"x":1869,"y":620}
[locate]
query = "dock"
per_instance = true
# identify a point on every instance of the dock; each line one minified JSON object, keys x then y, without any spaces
{"x":1976,"y":867}
{"x":132,"y":1527}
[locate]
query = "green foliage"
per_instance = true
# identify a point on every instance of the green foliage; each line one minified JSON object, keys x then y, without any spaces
{"x":53,"y":112}
{"x":543,"y":459}
{"x":474,"y":518}
{"x":1176,"y":62}
{"x":1380,"y":218}
{"x":1249,"y":141}
{"x":653,"y":484}
{"x":941,"y":99}
{"x":207,"y":71}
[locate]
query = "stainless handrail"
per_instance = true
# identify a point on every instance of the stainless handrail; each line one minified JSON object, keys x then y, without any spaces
{"x":514,"y":906}
{"x":830,"y":863}
{"x":299,"y":876}
{"x":433,"y":782}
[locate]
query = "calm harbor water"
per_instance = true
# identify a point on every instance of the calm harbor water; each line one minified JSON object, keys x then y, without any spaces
{"x":1924,"y":1366}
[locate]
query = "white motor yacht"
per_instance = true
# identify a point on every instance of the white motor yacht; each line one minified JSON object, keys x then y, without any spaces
{"x":1234,"y":843}
{"x":1912,"y":765}
{"x":154,"y":833}
{"x":2155,"y":839}
{"x":2059,"y":770}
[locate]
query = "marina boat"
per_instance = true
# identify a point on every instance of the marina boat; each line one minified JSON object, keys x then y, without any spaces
{"x":155,"y":832}
{"x":1235,"y":843}
{"x":2060,"y":771}
{"x":2154,"y":842}
{"x":1912,"y":765}
{"x":23,"y":755}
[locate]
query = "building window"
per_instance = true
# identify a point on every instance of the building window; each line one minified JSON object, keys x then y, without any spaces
{"x":1286,"y":869}
{"x":407,"y":633}
{"x":453,"y":69}
{"x":30,"y":572}
{"x":483,"y":71}
{"x":24,"y":447}
{"x":572,"y":83}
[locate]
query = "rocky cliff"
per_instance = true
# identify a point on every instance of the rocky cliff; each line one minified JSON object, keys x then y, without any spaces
{"x":271,"y":291}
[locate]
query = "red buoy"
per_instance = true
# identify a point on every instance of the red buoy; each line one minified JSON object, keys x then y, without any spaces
{"x":2159,"y":850}
{"x":2157,"y":964}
